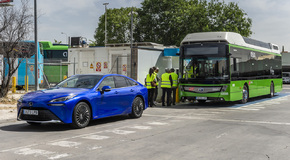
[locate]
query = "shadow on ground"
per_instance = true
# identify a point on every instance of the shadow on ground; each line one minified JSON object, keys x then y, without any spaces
{"x":50,"y":127}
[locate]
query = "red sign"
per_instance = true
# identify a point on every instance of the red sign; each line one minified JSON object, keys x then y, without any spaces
{"x":98,"y":67}
{"x":5,"y":1}
{"x":105,"y":64}
{"x":124,"y":67}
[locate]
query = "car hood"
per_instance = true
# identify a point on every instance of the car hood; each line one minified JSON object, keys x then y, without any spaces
{"x":52,"y":93}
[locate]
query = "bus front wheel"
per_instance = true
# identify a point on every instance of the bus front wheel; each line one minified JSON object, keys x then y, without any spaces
{"x":245,"y":95}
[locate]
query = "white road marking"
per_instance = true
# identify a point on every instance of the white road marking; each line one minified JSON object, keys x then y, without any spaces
{"x":157,"y":123}
{"x":141,"y":127}
{"x":221,"y":135}
{"x":39,"y":152}
{"x":122,"y":132}
{"x":34,"y":152}
{"x":58,"y":156}
{"x":68,"y":144}
{"x":95,"y":147}
{"x":95,"y":137}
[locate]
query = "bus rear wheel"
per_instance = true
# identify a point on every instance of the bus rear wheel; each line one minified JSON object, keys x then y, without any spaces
{"x":245,"y":95}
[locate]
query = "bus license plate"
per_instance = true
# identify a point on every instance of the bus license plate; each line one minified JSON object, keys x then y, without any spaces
{"x":30,"y":112}
{"x":201,"y":98}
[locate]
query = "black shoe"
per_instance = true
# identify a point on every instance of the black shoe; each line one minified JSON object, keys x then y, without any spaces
{"x":173,"y":103}
{"x":163,"y":104}
{"x":169,"y":105}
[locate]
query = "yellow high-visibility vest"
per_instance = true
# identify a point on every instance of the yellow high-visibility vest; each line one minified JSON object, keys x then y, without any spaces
{"x":149,"y":79}
{"x":174,"y":78}
{"x":165,"y":81}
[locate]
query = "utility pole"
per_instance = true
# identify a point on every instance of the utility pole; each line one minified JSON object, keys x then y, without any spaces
{"x":131,"y":43}
{"x":36,"y":47}
{"x":105,"y":22}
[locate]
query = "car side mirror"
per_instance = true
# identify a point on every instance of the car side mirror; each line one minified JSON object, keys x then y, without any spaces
{"x":106,"y":89}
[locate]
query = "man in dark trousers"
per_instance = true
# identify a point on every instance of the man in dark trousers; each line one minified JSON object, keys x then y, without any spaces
{"x":166,"y":85}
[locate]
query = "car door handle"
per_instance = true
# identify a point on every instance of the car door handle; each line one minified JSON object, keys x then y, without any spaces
{"x":132,"y":90}
{"x":116,"y":92}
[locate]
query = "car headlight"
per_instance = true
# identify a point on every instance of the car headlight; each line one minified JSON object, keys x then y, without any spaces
{"x":61,"y":99}
{"x":20,"y":99}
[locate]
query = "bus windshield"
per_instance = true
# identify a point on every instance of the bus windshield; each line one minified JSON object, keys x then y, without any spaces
{"x":206,"y":68}
{"x":204,"y":62}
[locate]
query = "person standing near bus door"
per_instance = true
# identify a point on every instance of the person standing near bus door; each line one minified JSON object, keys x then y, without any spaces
{"x":166,"y":84}
{"x":156,"y":70}
{"x":151,"y":89}
{"x":175,"y":83}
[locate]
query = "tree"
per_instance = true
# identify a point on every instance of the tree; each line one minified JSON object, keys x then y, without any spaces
{"x":118,"y":26}
{"x":168,"y":22}
{"x":228,"y":17}
{"x":57,"y":42}
{"x":15,"y":26}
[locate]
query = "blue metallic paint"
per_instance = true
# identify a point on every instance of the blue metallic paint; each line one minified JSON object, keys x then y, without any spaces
{"x":118,"y":101}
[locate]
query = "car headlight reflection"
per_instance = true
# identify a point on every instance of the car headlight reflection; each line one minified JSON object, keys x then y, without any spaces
{"x":62,"y":99}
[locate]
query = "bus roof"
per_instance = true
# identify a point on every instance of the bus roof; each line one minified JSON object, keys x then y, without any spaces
{"x":232,"y":38}
{"x":47,"y":45}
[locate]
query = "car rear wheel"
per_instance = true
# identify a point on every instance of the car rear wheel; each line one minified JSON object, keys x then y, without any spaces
{"x":81,"y":115}
{"x":245,"y":95}
{"x":137,"y":108}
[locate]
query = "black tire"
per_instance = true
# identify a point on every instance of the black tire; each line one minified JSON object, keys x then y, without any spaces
{"x":245,"y":95}
{"x":34,"y":123}
{"x":137,"y":108}
{"x":81,"y":116}
{"x":201,"y":101}
{"x":272,"y":90}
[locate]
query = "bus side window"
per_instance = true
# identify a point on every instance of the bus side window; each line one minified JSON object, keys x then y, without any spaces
{"x":234,"y":64}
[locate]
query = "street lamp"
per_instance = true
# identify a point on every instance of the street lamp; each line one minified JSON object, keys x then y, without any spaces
{"x":65,"y":36}
{"x":36,"y":48}
{"x":105,"y":22}
{"x":131,"y":43}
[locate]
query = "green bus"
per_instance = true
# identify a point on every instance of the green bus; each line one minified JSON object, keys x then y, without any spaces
{"x":225,"y":66}
{"x":55,"y":61}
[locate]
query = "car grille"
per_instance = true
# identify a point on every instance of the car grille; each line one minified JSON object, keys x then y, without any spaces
{"x":43,"y":115}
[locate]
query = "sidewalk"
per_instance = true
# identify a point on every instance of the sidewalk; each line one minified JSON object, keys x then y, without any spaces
{"x":8,"y":109}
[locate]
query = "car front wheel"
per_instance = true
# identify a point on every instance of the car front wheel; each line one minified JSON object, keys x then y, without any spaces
{"x":81,"y":115}
{"x":137,"y":108}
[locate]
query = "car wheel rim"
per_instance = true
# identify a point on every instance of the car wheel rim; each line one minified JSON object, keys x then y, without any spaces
{"x":138,"y":107}
{"x":82,"y":115}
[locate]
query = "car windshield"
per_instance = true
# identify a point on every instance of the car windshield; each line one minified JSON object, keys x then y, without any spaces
{"x":80,"y":81}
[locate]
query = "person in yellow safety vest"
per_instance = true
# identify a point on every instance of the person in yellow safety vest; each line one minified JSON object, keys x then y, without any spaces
{"x":156,"y":70}
{"x":151,"y":89}
{"x":193,"y":73}
{"x":166,"y":84}
{"x":175,"y":83}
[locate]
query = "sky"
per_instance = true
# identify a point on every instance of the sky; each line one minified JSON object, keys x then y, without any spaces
{"x":76,"y":18}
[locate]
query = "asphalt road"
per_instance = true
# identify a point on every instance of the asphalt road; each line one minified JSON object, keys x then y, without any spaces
{"x":258,"y":130}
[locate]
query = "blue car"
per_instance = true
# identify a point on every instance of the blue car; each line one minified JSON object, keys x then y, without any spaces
{"x":81,"y":98}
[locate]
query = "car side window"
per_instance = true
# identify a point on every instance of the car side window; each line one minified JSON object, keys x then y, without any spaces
{"x":130,"y":82}
{"x":120,"y":82}
{"x":108,"y":81}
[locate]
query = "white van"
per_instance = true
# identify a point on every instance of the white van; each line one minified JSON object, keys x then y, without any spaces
{"x":286,"y":77}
